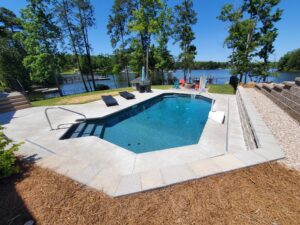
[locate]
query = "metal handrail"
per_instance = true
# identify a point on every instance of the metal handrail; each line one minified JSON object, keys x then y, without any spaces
{"x":62,"y":108}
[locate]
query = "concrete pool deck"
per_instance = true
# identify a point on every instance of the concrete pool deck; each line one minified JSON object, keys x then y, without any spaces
{"x":117,"y":171}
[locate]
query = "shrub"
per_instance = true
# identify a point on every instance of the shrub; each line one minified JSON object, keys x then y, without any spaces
{"x":100,"y":87}
{"x":7,"y":156}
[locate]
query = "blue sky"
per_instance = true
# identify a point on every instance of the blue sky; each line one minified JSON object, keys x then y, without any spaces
{"x":210,"y":32}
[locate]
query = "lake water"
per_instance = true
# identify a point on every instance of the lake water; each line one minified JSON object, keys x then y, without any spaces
{"x":219,"y":77}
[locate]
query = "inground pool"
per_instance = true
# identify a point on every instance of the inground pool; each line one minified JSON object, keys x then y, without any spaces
{"x":165,"y":121}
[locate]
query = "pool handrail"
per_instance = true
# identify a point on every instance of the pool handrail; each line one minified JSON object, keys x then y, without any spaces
{"x":62,"y":108}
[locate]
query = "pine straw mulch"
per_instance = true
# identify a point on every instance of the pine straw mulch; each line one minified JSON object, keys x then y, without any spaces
{"x":264,"y":194}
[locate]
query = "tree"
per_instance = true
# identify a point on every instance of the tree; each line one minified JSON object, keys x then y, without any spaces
{"x":12,"y":52}
{"x":66,"y":18}
{"x":251,"y":34}
{"x":40,"y":37}
{"x":8,"y":165}
{"x":164,"y":60}
{"x":290,"y":61}
{"x":267,"y":31}
{"x":103,"y":64}
{"x":117,"y":28}
{"x":241,"y":39}
{"x":144,"y":23}
{"x":85,"y":15}
{"x":136,"y":54}
{"x":183,"y":33}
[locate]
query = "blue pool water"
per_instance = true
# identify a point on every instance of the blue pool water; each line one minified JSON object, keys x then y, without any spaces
{"x":166,"y":121}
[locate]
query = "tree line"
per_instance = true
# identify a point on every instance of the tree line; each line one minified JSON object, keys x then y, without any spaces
{"x":52,"y":35}
{"x":290,"y":61}
{"x":41,"y":41}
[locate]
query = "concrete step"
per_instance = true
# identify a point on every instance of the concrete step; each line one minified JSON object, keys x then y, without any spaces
{"x":290,"y":95}
{"x":292,"y":112}
{"x":268,"y":87}
{"x":287,"y":105}
{"x":288,"y":84}
{"x":278,"y":87}
{"x":295,"y":90}
{"x":14,"y":108}
{"x":13,"y":99}
{"x":258,"y":86}
{"x":13,"y":104}
{"x":292,"y":104}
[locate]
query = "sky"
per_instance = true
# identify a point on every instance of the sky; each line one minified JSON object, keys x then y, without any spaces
{"x":209,"y":31}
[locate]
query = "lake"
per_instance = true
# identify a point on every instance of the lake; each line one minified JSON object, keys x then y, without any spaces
{"x":219,"y":77}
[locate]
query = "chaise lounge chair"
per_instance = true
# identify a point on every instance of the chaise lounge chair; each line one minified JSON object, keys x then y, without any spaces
{"x":109,"y":100}
{"x":127,"y":95}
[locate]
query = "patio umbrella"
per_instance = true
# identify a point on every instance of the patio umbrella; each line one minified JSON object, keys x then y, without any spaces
{"x":143,"y":74}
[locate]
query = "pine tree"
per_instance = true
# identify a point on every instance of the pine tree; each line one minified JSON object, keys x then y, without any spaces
{"x":117,"y":28}
{"x":183,"y":33}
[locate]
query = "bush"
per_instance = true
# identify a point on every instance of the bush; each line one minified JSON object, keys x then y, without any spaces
{"x":7,"y":156}
{"x":100,"y":87}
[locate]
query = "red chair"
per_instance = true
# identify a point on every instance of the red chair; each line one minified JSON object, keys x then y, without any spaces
{"x":182,"y":82}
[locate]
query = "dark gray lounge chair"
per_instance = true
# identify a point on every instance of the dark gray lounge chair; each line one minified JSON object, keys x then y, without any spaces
{"x":109,"y":100}
{"x":127,"y":95}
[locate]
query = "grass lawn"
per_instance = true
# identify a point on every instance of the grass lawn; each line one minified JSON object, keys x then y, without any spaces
{"x":263,"y":194}
{"x":221,"y":89}
{"x":69,"y":72}
{"x":82,"y":98}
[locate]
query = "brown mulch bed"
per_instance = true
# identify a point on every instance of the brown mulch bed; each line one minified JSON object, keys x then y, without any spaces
{"x":265,"y":194}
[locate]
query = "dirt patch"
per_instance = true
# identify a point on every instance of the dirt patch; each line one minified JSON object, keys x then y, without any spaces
{"x":83,"y":99}
{"x":265,"y":194}
{"x":248,"y":85}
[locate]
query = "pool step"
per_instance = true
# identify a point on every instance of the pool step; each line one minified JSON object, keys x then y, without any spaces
{"x":86,"y":129}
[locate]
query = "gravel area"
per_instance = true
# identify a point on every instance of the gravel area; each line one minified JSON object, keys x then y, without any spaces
{"x":285,"y":129}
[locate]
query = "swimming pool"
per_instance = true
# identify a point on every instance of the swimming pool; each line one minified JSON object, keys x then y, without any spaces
{"x":165,"y":121}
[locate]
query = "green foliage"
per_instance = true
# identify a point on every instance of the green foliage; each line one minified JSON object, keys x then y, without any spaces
{"x":11,"y":51}
{"x":7,"y":157}
{"x":117,"y":28}
{"x":136,"y":55}
{"x":145,"y":23}
{"x":40,"y":37}
{"x":103,"y":64}
{"x":290,"y":61}
{"x":183,"y":33}
{"x":251,"y":34}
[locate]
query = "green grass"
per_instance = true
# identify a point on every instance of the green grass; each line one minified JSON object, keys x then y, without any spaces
{"x":82,"y":98}
{"x":69,"y":72}
{"x":162,"y":87}
{"x":221,"y":89}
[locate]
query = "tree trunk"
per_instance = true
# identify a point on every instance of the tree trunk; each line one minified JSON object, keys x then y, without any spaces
{"x":86,"y":45}
{"x":147,"y":62}
{"x":127,"y":76}
{"x":73,"y":45}
{"x":241,"y":78}
{"x":126,"y":67}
